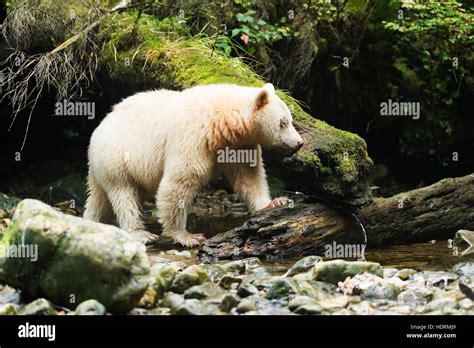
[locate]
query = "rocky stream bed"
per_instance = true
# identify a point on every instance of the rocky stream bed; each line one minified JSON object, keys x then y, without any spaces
{"x":81,"y":267}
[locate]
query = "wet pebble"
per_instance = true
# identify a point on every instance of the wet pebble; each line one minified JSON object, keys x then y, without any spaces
{"x":204,"y":291}
{"x":405,"y":273}
{"x":466,"y":286}
{"x":246,"y":305}
{"x":464,"y":269}
{"x":309,"y":309}
{"x":90,"y":307}
{"x":443,"y":305}
{"x":303,"y":265}
{"x":192,"y":275}
{"x":465,"y":303}
{"x":228,"y":301}
{"x":9,"y":295}
{"x":171,"y":300}
{"x":235,"y":267}
{"x":245,"y":289}
{"x":440,"y":279}
{"x":195,"y":307}
{"x":411,"y":298}
{"x":381,"y":291}
{"x":227,"y":281}
{"x":40,"y":306}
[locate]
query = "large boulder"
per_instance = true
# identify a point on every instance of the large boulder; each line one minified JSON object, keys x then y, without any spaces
{"x":69,"y":260}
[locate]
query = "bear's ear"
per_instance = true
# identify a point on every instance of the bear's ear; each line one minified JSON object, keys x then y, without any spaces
{"x":263,"y":96}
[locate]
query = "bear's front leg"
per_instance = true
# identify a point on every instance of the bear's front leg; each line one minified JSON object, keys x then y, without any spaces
{"x":174,"y":197}
{"x":249,"y":181}
{"x":250,"y":184}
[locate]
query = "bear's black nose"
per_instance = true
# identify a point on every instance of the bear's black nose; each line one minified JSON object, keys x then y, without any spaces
{"x":300,"y":144}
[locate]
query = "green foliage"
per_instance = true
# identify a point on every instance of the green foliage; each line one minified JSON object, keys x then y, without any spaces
{"x":259,"y":31}
{"x":431,"y":43}
{"x":406,"y":51}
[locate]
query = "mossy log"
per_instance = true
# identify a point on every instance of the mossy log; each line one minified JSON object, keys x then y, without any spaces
{"x":433,"y":212}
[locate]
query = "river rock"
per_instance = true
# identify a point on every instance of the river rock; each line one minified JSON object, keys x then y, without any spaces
{"x":412,"y":298}
{"x":466,"y":286}
{"x":303,"y":265}
{"x":245,"y":289}
{"x":246,"y":305}
{"x":443,"y":305}
{"x":361,"y":308}
{"x":334,"y":302}
{"x":389,"y":272}
{"x":282,"y":288}
{"x":357,"y":284}
{"x":262,"y":306}
{"x":195,"y":307}
{"x":299,"y":301}
{"x":380,"y":291}
{"x":309,"y":309}
{"x":465,"y":303}
{"x":308,"y":305}
{"x":204,"y":291}
{"x":228,"y":301}
{"x":439,"y":279}
{"x":74,"y":257}
{"x":229,"y":281}
{"x":405,"y":274}
{"x":162,"y":276}
{"x":192,"y":275}
{"x":90,"y":307}
{"x":338,"y":270}
{"x":40,"y":306}
{"x":215,"y":271}
{"x":259,"y":273}
{"x":235,"y":267}
{"x":9,"y":295}
{"x":9,"y":309}
{"x":464,"y":269}
{"x":170,"y":300}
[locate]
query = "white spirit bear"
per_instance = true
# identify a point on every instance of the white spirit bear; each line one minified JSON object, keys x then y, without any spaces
{"x":164,"y":144}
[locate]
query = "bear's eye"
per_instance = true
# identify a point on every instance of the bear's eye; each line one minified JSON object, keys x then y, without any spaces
{"x":283,"y":123}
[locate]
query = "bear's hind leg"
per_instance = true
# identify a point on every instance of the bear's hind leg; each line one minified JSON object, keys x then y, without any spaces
{"x":126,"y":204}
{"x":98,"y":207}
{"x":173,"y":199}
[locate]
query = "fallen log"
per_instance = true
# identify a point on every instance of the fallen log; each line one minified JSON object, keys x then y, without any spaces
{"x":432,"y":212}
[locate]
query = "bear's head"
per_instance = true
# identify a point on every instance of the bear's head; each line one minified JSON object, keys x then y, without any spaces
{"x":274,"y":123}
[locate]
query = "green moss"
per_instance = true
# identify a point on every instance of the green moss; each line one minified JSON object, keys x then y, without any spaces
{"x":309,"y":159}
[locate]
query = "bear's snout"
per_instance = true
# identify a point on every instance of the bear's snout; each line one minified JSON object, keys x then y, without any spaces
{"x":297,"y":147}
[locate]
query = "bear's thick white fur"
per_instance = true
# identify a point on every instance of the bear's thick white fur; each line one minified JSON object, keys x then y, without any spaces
{"x":164,"y":143}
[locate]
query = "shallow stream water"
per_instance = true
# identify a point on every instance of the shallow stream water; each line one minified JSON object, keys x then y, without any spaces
{"x":432,"y":256}
{"x":429,"y":256}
